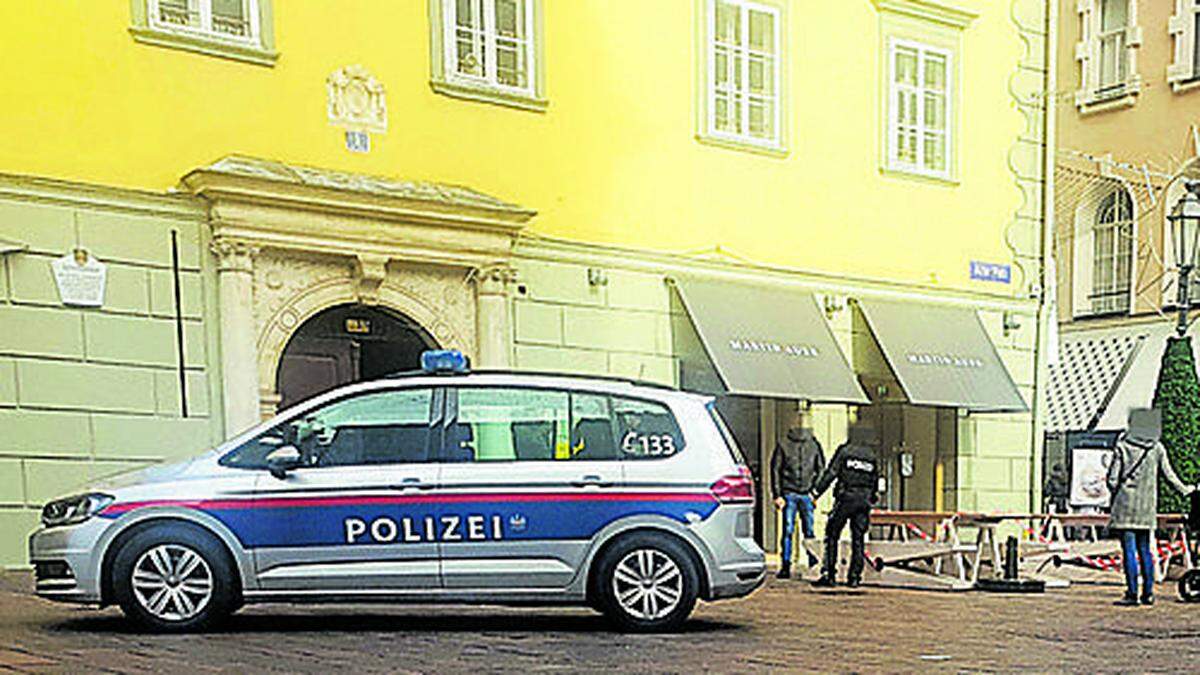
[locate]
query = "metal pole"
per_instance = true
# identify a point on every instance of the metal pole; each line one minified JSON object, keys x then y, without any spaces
{"x":1185,"y":271}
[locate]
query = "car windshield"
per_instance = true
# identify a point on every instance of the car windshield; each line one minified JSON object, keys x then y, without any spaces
{"x":371,"y":428}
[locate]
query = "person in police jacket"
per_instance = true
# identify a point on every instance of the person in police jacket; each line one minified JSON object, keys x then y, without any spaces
{"x":1137,"y":459}
{"x":855,"y":468}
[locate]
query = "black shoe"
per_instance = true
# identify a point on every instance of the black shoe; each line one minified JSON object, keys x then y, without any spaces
{"x":824,"y":582}
{"x":854,"y":583}
{"x":1127,"y":601}
{"x":1147,"y":599}
{"x":785,"y":572}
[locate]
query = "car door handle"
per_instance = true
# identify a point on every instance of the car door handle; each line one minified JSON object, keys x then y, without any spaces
{"x":412,"y":484}
{"x":591,"y":481}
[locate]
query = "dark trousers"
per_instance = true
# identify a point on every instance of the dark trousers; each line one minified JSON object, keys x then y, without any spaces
{"x":856,"y":511}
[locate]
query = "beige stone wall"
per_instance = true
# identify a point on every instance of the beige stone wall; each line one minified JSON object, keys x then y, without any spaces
{"x":88,"y":393}
{"x":619,"y":327}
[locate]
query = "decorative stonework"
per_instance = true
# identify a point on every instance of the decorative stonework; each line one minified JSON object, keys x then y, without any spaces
{"x":356,"y":100}
{"x":296,"y":175}
{"x":937,"y":11}
{"x":370,"y":271}
{"x":1026,"y":161}
{"x":494,"y":279}
{"x":332,"y":238}
{"x":291,"y":287}
{"x":233,"y":255}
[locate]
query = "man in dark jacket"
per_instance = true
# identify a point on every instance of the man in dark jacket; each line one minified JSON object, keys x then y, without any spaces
{"x":855,"y":467}
{"x":797,"y":461}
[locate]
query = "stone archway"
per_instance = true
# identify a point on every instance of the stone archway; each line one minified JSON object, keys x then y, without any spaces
{"x":292,"y":240}
{"x":278,"y":328}
{"x":345,"y":344}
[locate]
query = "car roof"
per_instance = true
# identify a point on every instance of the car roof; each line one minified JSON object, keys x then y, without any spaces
{"x":596,"y":383}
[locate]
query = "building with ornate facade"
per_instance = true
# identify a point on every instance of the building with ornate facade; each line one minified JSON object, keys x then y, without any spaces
{"x":832,"y":207}
{"x":1128,"y":74}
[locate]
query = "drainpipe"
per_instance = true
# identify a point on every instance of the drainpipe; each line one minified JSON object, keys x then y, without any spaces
{"x":1041,"y":368}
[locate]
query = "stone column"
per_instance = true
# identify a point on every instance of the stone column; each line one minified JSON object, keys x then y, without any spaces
{"x":239,"y":358}
{"x":493,"y":316}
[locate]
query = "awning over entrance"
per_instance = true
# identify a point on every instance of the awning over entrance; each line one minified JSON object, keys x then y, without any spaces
{"x":1102,"y":373}
{"x":941,"y":356}
{"x":760,"y":341}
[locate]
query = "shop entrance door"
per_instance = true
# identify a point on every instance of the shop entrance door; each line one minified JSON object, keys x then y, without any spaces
{"x":919,"y":453}
{"x":344,"y":344}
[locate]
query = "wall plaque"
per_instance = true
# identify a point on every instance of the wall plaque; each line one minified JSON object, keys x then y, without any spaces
{"x":80,"y":279}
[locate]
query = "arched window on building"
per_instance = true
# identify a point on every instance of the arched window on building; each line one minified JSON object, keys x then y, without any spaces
{"x":1112,"y":253}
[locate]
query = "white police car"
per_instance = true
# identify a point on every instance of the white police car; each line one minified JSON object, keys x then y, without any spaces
{"x":443,"y":486}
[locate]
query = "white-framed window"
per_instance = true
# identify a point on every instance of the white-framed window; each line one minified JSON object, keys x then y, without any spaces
{"x":490,"y":43}
{"x":1107,"y":53}
{"x":235,"y":20}
{"x":1113,"y":67}
{"x":1112,"y":253}
{"x":919,"y":131}
{"x":236,"y":29}
{"x":743,"y":101}
{"x":1184,"y":26}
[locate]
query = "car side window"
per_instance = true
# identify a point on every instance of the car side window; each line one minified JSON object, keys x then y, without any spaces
{"x":527,"y":424}
{"x":645,"y":430}
{"x":384,"y":427}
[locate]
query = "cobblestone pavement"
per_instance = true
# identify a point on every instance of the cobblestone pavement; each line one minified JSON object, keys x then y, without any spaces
{"x":784,"y":626}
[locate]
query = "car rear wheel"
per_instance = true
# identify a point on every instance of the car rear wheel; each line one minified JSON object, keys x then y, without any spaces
{"x":174,"y":578}
{"x":647,"y":583}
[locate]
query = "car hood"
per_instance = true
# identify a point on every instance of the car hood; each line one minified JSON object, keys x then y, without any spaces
{"x":158,"y":473}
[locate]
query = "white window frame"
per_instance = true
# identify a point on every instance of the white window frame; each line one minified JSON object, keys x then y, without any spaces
{"x":1087,"y":219}
{"x":204,"y":27}
{"x":487,"y":31}
{"x":776,"y":142}
{"x":894,"y":163}
{"x":1184,"y":71}
{"x":1092,"y":96}
{"x":1118,"y":295}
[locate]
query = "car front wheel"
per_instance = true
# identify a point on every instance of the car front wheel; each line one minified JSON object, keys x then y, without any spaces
{"x":174,"y":578}
{"x":647,"y":583}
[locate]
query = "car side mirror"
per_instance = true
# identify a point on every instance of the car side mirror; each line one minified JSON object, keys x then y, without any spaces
{"x":282,"y":460}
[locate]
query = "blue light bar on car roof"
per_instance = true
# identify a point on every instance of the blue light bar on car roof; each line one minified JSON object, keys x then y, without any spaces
{"x":445,"y":361}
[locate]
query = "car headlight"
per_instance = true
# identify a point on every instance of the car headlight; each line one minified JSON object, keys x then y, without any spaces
{"x":75,"y":509}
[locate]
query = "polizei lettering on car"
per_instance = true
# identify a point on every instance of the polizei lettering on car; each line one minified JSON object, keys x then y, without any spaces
{"x":385,"y":530}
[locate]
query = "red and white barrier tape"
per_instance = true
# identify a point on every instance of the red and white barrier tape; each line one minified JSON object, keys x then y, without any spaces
{"x":1113,"y":562}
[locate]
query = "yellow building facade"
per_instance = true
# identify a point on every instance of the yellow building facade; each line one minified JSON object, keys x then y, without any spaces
{"x":530,"y":181}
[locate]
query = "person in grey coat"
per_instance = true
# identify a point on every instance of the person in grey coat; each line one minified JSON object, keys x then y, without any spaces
{"x":1138,"y":458}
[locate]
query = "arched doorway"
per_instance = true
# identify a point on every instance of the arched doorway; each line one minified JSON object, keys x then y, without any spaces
{"x":347,"y":343}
